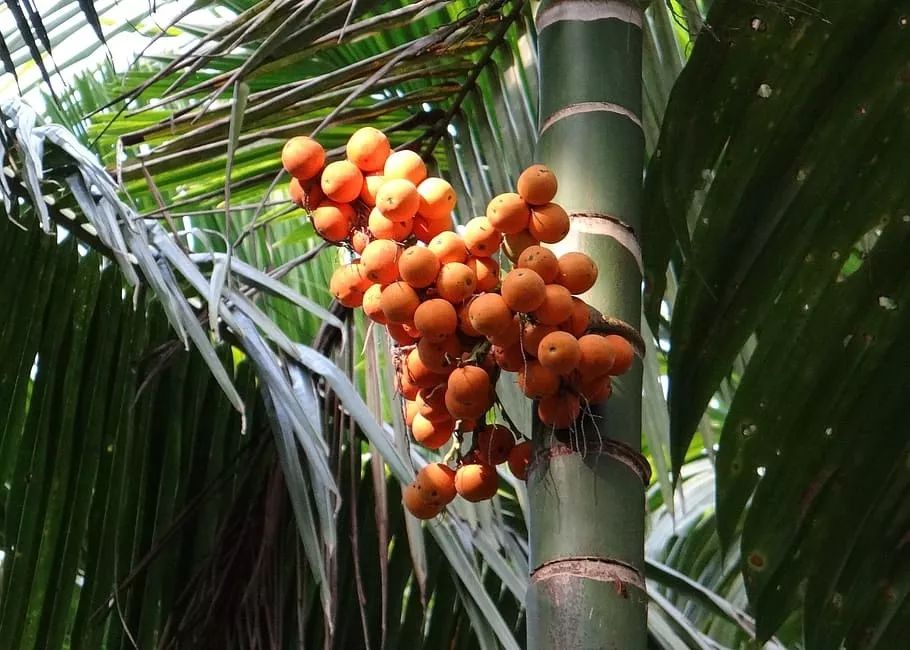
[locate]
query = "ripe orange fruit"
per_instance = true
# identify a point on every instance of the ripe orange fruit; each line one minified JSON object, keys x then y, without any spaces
{"x":399,"y":301}
{"x":418,"y":372}
{"x":425,"y":229}
{"x":415,"y":504}
{"x":306,"y":195}
{"x":313,"y":193}
{"x":440,"y":356}
{"x":468,"y":382}
{"x":410,"y":410}
{"x":368,"y":148}
{"x":508,"y":213}
{"x":436,"y":319}
{"x":348,"y":284}
{"x":559,"y":410}
{"x":510,"y":335}
{"x":302,"y":157}
{"x":468,"y":392}
{"x":440,"y":414}
{"x":455,"y":282}
{"x":380,"y":261}
{"x":597,"y":356}
{"x":432,"y":435}
{"x":493,"y":442}
{"x":418,"y":266}
{"x":437,"y":198}
{"x":535,"y":381}
{"x":549,"y":223}
{"x":476,"y":482}
{"x":400,"y":334}
{"x":560,"y":352}
{"x":464,"y":320}
{"x":333,"y":221}
{"x":436,"y":483}
{"x":509,"y":358}
{"x":623,"y":354}
{"x":397,"y":199}
{"x":540,"y":260}
{"x":489,"y":314}
{"x":531,"y":336}
{"x":514,"y":245}
{"x":431,"y":403}
{"x":520,"y":458}
{"x":359,"y":241}
{"x":448,"y":247}
{"x":577,"y":272}
{"x":405,"y":164}
{"x":385,"y":228}
{"x":371,"y":184}
{"x":434,"y":413}
{"x":410,"y":329}
{"x":556,"y":306}
{"x":405,"y":386}
{"x":596,"y":390}
{"x":341,"y":181}
{"x":523,"y":290}
{"x":486,"y":270}
{"x":481,"y":238}
{"x":534,"y":325}
{"x":537,"y":185}
{"x":467,"y":409}
{"x":371,"y":304}
{"x":577,"y":323}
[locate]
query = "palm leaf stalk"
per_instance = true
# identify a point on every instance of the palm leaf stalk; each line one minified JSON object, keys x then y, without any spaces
{"x":586,"y":490}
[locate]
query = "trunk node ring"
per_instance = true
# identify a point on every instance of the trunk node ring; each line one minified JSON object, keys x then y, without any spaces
{"x":593,"y":445}
{"x":627,"y":11}
{"x":603,"y":569}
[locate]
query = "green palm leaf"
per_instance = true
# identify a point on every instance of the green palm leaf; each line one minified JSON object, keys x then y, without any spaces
{"x":788,"y":243}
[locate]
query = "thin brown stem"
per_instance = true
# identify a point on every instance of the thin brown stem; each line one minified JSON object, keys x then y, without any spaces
{"x":471,"y":81}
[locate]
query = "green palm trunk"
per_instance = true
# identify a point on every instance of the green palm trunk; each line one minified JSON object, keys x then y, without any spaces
{"x":586,"y":491}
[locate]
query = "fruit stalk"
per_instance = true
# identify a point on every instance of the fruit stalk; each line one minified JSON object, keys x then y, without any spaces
{"x":586,"y":503}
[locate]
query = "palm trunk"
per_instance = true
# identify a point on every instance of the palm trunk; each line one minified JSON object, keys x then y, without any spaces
{"x":586,"y":488}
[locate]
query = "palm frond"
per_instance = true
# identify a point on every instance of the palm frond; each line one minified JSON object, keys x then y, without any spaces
{"x":144,"y":247}
{"x":780,"y":208}
{"x":45,"y":43}
{"x":88,"y":506}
